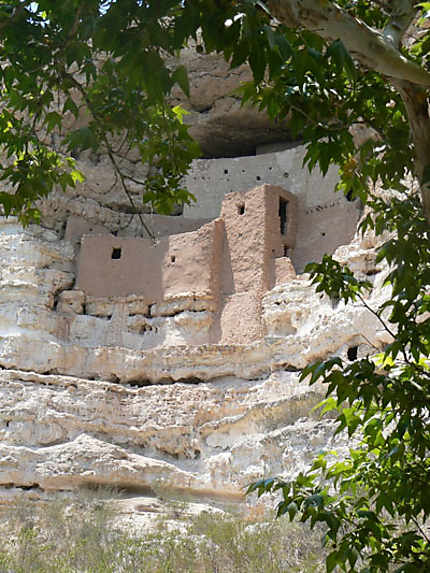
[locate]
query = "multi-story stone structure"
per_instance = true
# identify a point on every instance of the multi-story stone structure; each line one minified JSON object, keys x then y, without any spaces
{"x":226,"y":265}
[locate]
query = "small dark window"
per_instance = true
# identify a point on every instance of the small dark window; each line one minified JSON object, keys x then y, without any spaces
{"x":225,"y":171}
{"x":173,"y":258}
{"x":352,"y":353}
{"x":258,"y":178}
{"x":285,"y":251}
{"x":350,"y":196}
{"x":283,"y":205}
{"x":116,"y":253}
{"x":241,"y":209}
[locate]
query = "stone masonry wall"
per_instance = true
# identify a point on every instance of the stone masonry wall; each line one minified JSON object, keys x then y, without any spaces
{"x":117,"y":266}
{"x":232,"y":261}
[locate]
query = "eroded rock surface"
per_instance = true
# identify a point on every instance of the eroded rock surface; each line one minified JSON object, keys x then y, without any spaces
{"x":200,"y":419}
{"x":222,"y":126}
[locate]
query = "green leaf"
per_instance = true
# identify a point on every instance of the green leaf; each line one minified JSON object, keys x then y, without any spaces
{"x":81,"y":139}
{"x":342,"y":58}
{"x":257,"y":62}
{"x":69,"y":105}
{"x":292,"y":510}
{"x":180,"y":75}
{"x":53,"y":120}
{"x":331,"y":561}
{"x":77,"y":176}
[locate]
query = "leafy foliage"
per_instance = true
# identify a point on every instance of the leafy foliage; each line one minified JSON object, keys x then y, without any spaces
{"x":325,"y":95}
{"x":65,"y":60}
{"x":374,"y":503}
{"x":108,"y":59}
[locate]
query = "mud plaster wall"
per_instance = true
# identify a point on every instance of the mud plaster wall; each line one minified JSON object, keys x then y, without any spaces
{"x":253,"y":242}
{"x":325,"y":219}
{"x":111,"y":266}
{"x":160,"y":225}
{"x":253,"y":238}
{"x":234,"y":259}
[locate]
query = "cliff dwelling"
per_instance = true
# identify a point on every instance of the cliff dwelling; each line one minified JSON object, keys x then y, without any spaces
{"x":226,"y":266}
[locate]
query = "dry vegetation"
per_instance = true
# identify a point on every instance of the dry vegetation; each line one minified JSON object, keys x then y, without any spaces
{"x":82,"y":537}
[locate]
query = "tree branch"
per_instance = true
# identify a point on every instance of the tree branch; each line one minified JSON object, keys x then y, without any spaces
{"x":111,"y":156}
{"x":367,"y":45}
{"x":377,"y":315}
{"x":418,"y":111}
{"x":402,"y":14}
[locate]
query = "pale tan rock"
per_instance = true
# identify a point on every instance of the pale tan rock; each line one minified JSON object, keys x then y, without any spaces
{"x":62,"y":432}
{"x":71,"y":301}
{"x":300,"y":325}
{"x":105,"y":306}
{"x":221,"y":125}
{"x":119,"y":392}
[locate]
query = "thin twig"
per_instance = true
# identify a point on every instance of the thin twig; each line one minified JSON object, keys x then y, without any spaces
{"x":111,"y":156}
{"x":126,"y":191}
{"x":368,"y":341}
{"x":370,"y":309}
{"x":423,"y":533}
{"x":137,"y":181}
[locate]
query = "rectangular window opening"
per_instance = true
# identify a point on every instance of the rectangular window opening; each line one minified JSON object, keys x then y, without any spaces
{"x":283,"y":205}
{"x":116,"y":253}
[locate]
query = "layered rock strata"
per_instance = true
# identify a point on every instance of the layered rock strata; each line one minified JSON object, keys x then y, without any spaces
{"x":145,"y":394}
{"x":205,"y":420}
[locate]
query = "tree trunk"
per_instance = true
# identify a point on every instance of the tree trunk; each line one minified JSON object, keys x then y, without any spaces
{"x":418,"y":112}
{"x":379,"y":52}
{"x":369,"y":46}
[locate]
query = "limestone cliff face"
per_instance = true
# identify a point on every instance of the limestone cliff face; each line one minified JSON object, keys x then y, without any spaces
{"x":142,"y":394}
{"x":202,"y":419}
{"x":216,"y":119}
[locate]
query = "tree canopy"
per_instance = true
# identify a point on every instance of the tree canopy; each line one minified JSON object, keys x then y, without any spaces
{"x":330,"y":68}
{"x":327,"y":66}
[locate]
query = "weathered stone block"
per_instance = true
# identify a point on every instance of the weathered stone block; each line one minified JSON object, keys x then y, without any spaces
{"x":71,"y":301}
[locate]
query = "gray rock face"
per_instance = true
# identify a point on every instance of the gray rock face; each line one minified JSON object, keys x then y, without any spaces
{"x":218,"y":122}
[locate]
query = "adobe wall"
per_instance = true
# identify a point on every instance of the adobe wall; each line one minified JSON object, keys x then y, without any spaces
{"x":160,"y":225}
{"x":120,"y":266}
{"x":323,"y":228}
{"x":240,"y":320}
{"x":232,"y":261}
{"x":280,"y":236}
{"x":244,"y":248}
{"x":325,"y":219}
{"x":255,"y":239}
{"x":210,"y":179}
